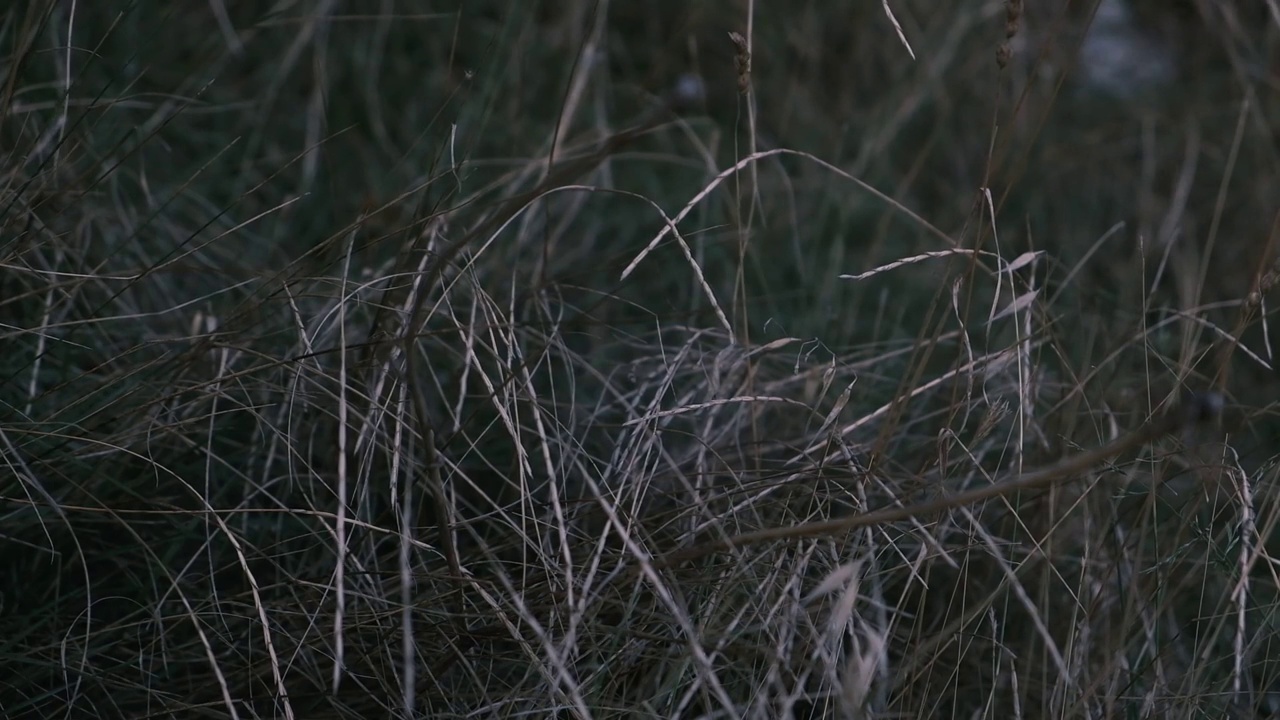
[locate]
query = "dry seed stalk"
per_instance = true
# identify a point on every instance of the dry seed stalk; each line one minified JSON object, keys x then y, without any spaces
{"x":1012,"y":19}
{"x":742,"y":61}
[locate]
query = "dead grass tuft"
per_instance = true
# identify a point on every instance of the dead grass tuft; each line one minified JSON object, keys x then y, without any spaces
{"x":496,"y":363}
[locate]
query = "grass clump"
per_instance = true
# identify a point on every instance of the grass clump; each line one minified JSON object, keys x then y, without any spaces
{"x":563,"y":359}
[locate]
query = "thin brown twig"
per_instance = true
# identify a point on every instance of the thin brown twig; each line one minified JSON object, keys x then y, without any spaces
{"x":1195,"y":409}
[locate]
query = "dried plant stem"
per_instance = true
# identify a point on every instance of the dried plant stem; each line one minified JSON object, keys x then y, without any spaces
{"x":1197,"y":409}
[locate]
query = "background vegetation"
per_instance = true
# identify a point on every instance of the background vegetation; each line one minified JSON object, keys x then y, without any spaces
{"x":368,"y":360}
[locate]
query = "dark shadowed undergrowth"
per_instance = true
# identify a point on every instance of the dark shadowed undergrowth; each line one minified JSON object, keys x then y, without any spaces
{"x":373,"y":360}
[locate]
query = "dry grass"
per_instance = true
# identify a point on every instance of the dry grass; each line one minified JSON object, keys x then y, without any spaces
{"x":570,"y":360}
